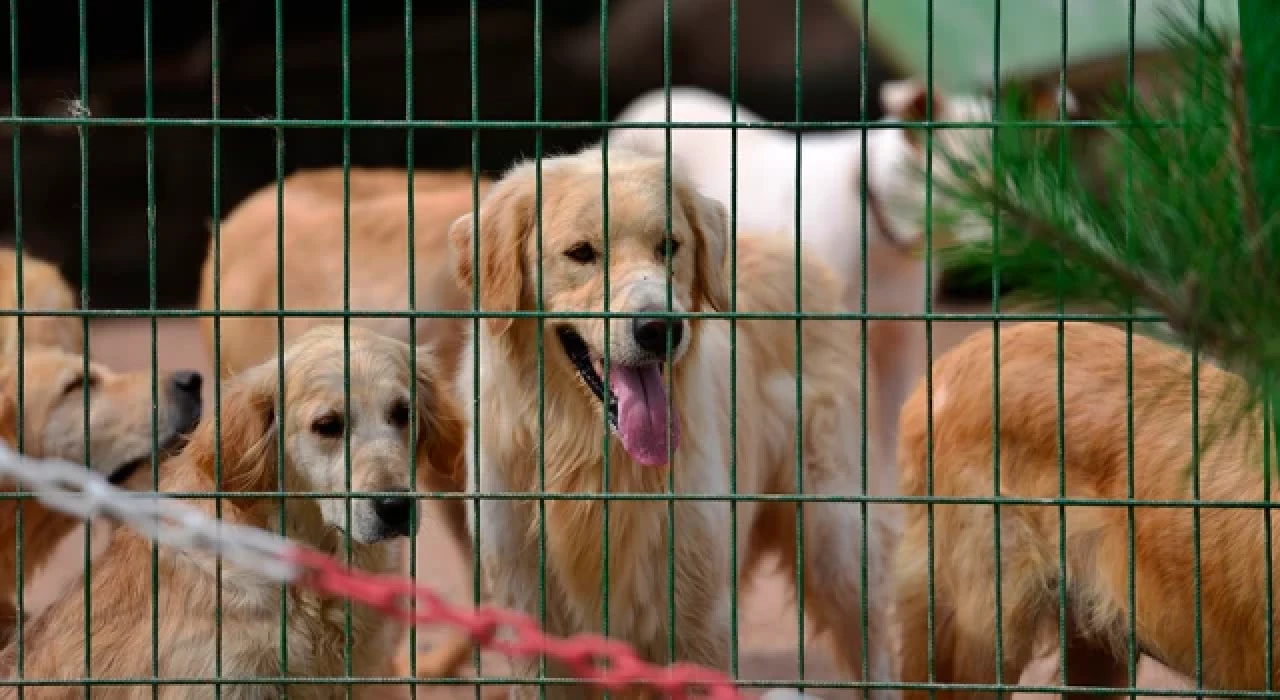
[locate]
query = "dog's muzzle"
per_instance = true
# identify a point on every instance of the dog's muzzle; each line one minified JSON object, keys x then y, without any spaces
{"x":637,"y":405}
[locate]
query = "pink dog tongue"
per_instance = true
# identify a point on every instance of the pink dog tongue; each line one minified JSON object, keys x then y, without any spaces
{"x":642,"y":413}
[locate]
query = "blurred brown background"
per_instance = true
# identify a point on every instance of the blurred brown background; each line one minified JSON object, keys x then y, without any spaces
{"x":187,"y":83}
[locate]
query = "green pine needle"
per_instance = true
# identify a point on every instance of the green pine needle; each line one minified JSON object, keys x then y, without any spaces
{"x":1177,"y":231}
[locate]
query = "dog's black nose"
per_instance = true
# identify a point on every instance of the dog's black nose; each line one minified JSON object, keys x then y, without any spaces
{"x":395,"y":512}
{"x":651,"y":334}
{"x":187,"y":382}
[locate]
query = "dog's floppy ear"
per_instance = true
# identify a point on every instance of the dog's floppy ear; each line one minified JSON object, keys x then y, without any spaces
{"x":506,"y":218}
{"x":908,"y":101}
{"x":248,"y":437}
{"x":441,"y":426}
{"x":710,"y":225}
{"x":8,"y":412}
{"x":9,"y":402}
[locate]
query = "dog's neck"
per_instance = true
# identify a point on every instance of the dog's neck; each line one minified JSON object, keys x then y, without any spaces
{"x":302,"y":524}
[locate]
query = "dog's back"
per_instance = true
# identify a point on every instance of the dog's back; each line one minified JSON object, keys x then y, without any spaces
{"x":317,"y":226}
{"x":43,"y":289}
{"x":707,"y":154}
{"x":1099,"y":385}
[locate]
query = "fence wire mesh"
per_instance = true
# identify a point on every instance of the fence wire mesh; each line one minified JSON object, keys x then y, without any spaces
{"x":472,"y":129}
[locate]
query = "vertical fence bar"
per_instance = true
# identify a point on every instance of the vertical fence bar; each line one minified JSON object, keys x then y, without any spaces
{"x":15,"y":110}
{"x":864,"y":106}
{"x":1195,"y":472}
{"x":1130,"y":486}
{"x":541,"y":344}
{"x":1062,"y":398}
{"x":215,"y":223}
{"x":149,"y":111}
{"x":799,"y":339}
{"x":608,"y":359}
{"x":82,"y":133}
{"x":279,"y":133}
{"x":733,"y":337}
{"x":477,"y":577}
{"x":928,"y":349}
{"x":671,"y":479}
{"x":997,"y":564}
{"x":667,"y":156}
{"x":411,"y":237}
{"x":345,"y":12}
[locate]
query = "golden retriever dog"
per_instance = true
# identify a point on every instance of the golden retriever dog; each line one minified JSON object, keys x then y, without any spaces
{"x":311,"y":422}
{"x":379,"y":281}
{"x":119,"y":445}
{"x":314,"y":222}
{"x":651,"y":437}
{"x":43,"y":289}
{"x":1094,"y":406}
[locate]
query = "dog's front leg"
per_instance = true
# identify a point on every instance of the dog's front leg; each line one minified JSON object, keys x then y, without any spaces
{"x":705,"y":638}
{"x":704,"y":614}
{"x":510,"y":565}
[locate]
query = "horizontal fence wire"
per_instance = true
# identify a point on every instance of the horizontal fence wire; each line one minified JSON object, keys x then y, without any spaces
{"x":536,"y":124}
{"x":1264,"y":505}
{"x":554,"y":315}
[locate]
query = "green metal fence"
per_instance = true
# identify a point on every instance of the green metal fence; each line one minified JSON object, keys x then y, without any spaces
{"x":280,"y":122}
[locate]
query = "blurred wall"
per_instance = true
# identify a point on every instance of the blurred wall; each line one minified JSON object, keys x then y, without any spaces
{"x":47,"y":199}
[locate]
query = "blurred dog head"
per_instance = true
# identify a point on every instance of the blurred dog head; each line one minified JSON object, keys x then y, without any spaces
{"x":957,"y":152}
{"x":66,"y":402}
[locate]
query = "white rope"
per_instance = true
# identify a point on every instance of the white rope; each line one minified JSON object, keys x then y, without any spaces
{"x":75,"y":490}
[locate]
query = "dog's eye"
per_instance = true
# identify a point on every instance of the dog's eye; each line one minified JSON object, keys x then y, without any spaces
{"x":399,"y":414}
{"x":581,"y":253}
{"x":662,"y":248}
{"x":78,"y":384}
{"x":328,"y":425}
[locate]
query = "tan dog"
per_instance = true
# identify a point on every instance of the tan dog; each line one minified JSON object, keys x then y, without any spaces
{"x":53,"y":425}
{"x":313,"y":260}
{"x":1232,"y":567}
{"x":312,"y":428}
{"x":379,"y":281}
{"x":43,"y":289}
{"x":633,"y":424}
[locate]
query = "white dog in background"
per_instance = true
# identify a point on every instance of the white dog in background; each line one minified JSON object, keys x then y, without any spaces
{"x":830,"y":210}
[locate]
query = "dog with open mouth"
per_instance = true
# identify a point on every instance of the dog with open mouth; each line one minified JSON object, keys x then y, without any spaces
{"x":642,"y":401}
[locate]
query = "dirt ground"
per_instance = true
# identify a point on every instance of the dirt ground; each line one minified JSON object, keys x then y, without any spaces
{"x":768,"y":621}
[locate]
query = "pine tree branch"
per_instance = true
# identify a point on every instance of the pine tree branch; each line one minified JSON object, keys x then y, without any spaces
{"x":1070,"y":247}
{"x":1180,"y":313}
{"x":1243,"y":160}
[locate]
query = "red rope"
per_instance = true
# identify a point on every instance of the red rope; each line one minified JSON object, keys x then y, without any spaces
{"x":608,"y":663}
